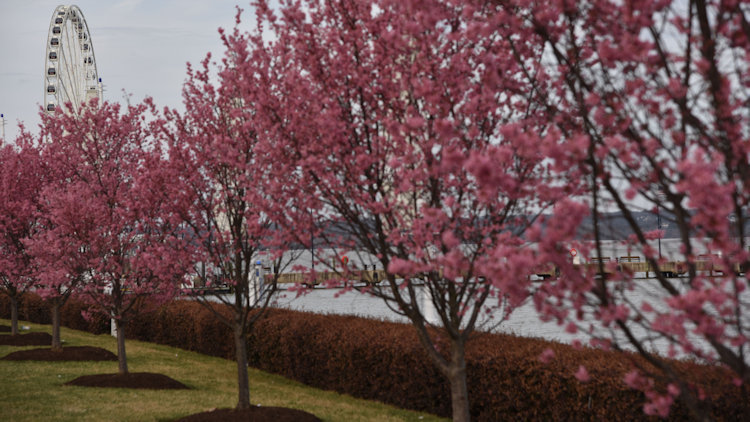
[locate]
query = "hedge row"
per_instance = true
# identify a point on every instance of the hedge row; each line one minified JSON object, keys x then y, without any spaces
{"x":384,"y":361}
{"x":506,"y":380}
{"x":32,"y":308}
{"x":187,"y":325}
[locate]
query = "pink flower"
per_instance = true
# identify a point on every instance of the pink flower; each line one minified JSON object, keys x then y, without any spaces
{"x":582,"y":374}
{"x":546,"y":356}
{"x":635,"y":380}
{"x":659,"y":406}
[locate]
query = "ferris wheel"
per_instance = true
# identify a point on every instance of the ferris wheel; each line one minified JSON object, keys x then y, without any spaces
{"x":70,"y":74}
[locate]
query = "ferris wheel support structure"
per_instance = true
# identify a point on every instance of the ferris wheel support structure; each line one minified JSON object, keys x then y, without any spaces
{"x":70,"y":74}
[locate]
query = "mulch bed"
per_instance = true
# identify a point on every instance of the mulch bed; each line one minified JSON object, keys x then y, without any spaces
{"x":72,"y":353}
{"x":255,"y":414}
{"x":30,"y":339}
{"x":141,"y":380}
{"x":4,"y":329}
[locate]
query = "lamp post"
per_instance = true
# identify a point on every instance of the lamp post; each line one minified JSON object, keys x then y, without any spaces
{"x":312,"y":243}
{"x":660,"y":197}
{"x":658,"y":227}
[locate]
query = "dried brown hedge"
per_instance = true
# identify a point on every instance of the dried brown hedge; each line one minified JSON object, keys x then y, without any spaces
{"x":71,"y":316}
{"x":32,"y":308}
{"x":185,"y":324}
{"x":356,"y":356}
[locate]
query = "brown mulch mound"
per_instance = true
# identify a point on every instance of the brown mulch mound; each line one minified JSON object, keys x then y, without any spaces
{"x":76,"y":353}
{"x":143,"y":380}
{"x":30,"y":339}
{"x":4,"y":329}
{"x":255,"y":414}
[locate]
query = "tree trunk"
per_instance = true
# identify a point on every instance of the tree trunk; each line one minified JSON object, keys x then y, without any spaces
{"x":457,"y":379}
{"x":121,"y":356}
{"x":13,"y":315}
{"x":56,"y":343}
{"x":243,"y":384}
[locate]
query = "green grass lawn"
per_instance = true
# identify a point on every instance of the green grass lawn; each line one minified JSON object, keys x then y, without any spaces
{"x":34,"y":391}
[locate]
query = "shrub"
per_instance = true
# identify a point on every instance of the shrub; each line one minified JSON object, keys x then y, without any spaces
{"x":71,"y":315}
{"x":33,"y":308}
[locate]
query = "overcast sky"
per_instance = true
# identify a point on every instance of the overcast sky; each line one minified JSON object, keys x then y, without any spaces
{"x":141,"y":47}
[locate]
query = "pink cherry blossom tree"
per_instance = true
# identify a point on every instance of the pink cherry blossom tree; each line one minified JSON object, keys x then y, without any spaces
{"x":105,"y":231}
{"x":654,"y":95}
{"x":217,"y":191}
{"x":21,"y":181}
{"x":393,"y":137}
{"x":59,"y":269}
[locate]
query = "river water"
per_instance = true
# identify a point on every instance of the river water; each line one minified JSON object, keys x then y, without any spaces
{"x":523,"y":321}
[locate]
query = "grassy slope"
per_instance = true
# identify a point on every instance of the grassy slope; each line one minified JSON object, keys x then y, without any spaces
{"x":32,"y":391}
